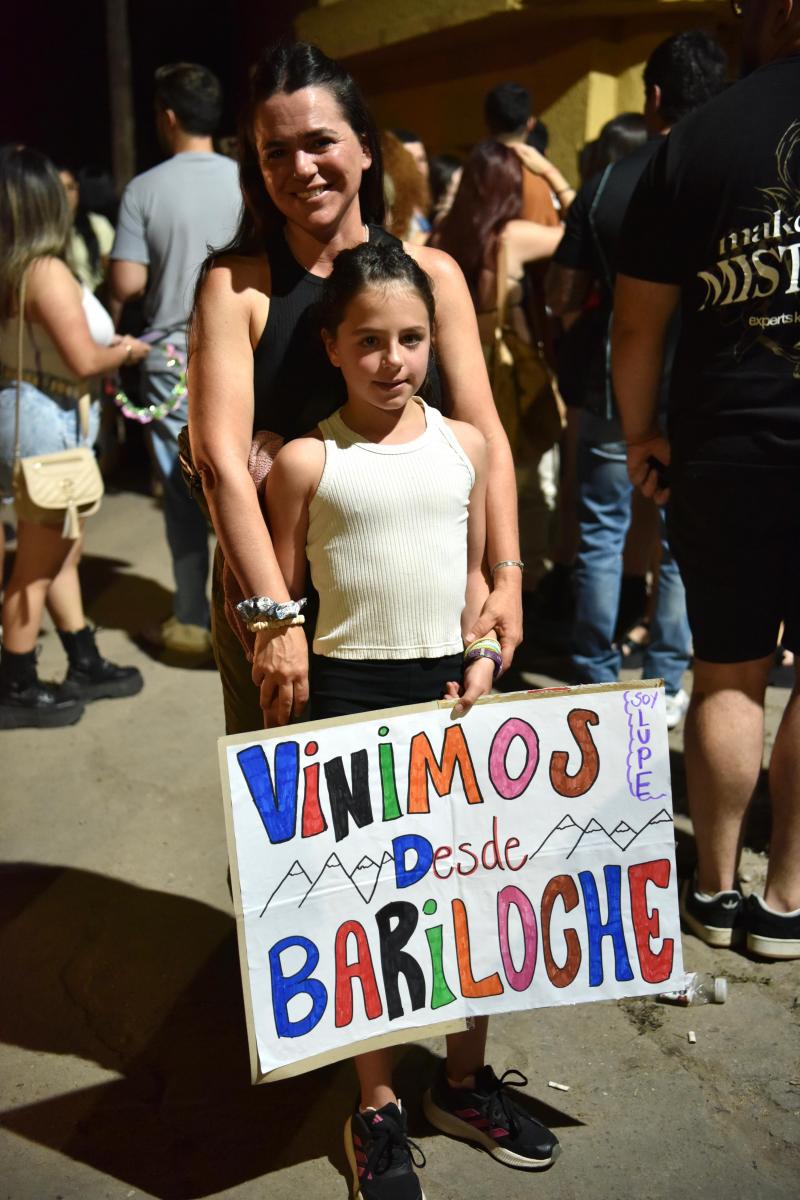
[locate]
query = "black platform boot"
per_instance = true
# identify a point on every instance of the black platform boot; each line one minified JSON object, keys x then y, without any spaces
{"x":92,"y":677}
{"x":28,"y":703}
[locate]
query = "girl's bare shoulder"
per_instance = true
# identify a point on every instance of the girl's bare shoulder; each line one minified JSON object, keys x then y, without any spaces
{"x":471,"y":440}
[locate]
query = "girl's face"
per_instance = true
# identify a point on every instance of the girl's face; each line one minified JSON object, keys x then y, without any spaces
{"x":311,"y":159}
{"x":382,"y":346}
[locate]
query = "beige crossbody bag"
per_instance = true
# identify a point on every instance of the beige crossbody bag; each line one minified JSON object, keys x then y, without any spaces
{"x":60,"y":488}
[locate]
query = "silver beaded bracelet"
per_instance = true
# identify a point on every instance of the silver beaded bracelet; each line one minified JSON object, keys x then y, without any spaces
{"x":509,"y":562}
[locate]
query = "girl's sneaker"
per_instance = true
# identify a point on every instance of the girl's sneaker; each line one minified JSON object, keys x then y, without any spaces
{"x":379,"y":1151}
{"x":487,"y":1116}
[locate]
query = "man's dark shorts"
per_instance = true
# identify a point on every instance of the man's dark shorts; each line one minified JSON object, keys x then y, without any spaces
{"x":735,"y":533}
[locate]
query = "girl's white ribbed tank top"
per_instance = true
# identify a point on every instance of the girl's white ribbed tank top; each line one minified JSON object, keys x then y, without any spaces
{"x":387,"y":543}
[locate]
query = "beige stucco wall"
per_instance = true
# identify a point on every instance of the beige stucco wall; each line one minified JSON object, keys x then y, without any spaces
{"x":427,"y":64}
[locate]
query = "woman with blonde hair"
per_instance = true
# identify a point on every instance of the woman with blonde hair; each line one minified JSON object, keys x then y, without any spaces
{"x":67,"y":341}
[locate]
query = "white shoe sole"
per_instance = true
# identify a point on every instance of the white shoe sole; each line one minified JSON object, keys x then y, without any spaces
{"x":453,"y":1126}
{"x":712,"y":935}
{"x":777,"y":948}
{"x":351,"y":1159}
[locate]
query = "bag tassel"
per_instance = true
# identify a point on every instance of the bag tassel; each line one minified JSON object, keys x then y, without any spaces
{"x":71,"y":529}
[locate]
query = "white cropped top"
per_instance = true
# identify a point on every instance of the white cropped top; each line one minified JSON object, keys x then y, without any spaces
{"x":38,"y":351}
{"x":387,"y":543}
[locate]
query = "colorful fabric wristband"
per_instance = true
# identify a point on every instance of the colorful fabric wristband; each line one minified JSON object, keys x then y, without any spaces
{"x":476,"y":652}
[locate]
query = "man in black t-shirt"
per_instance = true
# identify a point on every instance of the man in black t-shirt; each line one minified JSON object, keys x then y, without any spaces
{"x":715,"y":225}
{"x":682,"y":73}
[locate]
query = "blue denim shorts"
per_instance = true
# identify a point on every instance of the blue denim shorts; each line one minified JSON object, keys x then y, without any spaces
{"x":47,"y":424}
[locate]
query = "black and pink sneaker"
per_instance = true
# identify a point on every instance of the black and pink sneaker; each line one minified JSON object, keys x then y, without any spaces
{"x":490,"y":1118}
{"x":380,"y":1155}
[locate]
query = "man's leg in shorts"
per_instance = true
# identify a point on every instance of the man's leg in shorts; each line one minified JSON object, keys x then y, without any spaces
{"x":723,"y":745}
{"x":782,"y":892}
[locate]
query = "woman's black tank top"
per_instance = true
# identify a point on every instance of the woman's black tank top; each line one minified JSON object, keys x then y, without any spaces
{"x":294,"y":383}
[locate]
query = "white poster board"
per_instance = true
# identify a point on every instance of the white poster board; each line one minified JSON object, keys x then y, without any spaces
{"x":397,"y":872}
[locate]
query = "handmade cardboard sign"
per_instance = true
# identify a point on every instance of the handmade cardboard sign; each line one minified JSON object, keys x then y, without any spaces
{"x":397,"y":872}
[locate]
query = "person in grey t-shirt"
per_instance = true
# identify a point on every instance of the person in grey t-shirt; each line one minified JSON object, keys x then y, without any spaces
{"x":168,"y":219}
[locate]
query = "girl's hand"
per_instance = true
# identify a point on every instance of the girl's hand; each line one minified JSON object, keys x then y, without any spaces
{"x":478,"y":680}
{"x":280,"y":671}
{"x":501,"y":612}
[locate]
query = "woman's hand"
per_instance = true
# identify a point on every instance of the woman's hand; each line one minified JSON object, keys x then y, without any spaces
{"x":532,"y":158}
{"x":280,"y":672}
{"x":503,"y":613}
{"x":478,"y":680}
{"x":135,"y":350}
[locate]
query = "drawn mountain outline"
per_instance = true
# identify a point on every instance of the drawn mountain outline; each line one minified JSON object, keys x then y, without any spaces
{"x":294,"y":884}
{"x":367,"y":873}
{"x":622,"y":835}
{"x":662,"y":817}
{"x":565,"y":836}
{"x":327,"y":879}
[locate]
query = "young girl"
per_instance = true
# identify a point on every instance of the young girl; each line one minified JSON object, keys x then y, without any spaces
{"x":385,"y":500}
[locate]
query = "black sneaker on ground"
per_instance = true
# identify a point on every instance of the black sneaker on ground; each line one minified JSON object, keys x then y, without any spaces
{"x":771,"y":934}
{"x":380,"y":1155}
{"x":487,"y":1116}
{"x":716,"y":920}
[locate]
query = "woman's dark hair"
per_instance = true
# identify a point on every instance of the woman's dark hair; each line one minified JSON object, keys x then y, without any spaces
{"x":288,"y":67}
{"x":442,"y":168}
{"x":81,"y":223}
{"x":619,"y":137}
{"x":365,"y":266}
{"x":488,"y":197}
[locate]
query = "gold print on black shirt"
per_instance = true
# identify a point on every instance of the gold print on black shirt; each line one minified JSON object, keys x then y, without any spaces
{"x":761,"y":263}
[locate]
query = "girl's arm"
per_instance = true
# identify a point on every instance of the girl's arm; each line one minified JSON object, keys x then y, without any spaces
{"x":479,"y":675}
{"x":53,"y":300}
{"x":463,"y":369}
{"x":291,"y":484}
{"x":221,"y":426}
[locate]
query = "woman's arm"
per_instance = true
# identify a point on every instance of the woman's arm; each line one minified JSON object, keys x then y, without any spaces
{"x":463,"y":368}
{"x":53,"y":300}
{"x":221,"y":430}
{"x":479,"y":675}
{"x":538,"y":164}
{"x":527,"y":242}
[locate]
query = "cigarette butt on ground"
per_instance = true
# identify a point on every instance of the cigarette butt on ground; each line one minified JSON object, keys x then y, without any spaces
{"x":691,"y":1037}
{"x":560,"y":1087}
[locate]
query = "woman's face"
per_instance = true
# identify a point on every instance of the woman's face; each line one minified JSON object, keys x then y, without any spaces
{"x":72,"y":190}
{"x":311,"y":159}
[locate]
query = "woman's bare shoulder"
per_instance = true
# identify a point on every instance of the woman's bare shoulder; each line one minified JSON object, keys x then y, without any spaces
{"x":234,"y":275}
{"x":50,"y":272}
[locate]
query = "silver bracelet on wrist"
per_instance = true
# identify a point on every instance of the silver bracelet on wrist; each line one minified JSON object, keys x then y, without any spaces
{"x":270,"y":614}
{"x":509,"y":562}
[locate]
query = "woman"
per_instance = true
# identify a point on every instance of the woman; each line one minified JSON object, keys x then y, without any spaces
{"x":484,"y":233}
{"x":483,"y":218}
{"x":90,"y":238}
{"x":311,"y":178}
{"x":68,"y":340}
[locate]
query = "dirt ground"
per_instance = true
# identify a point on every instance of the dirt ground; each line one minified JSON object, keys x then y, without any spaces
{"x":123,"y":1064}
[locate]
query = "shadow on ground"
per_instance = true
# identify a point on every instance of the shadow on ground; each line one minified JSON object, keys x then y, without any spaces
{"x":147,"y":985}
